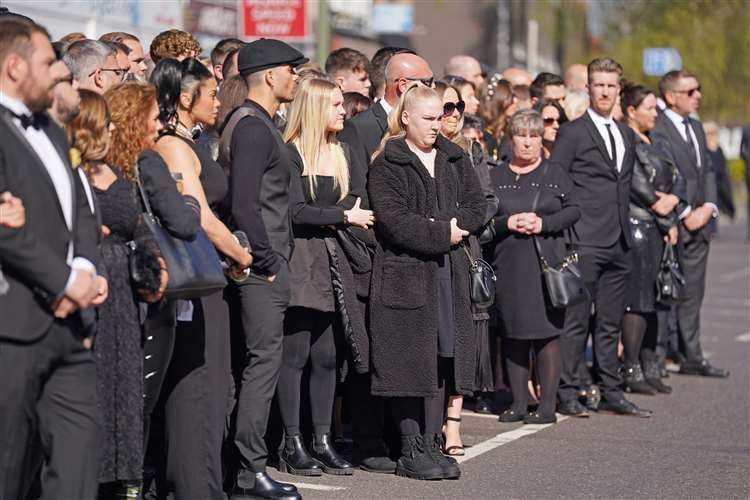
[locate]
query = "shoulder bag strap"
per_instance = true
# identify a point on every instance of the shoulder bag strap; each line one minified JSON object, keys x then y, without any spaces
{"x":144,"y":198}
{"x":534,"y":204}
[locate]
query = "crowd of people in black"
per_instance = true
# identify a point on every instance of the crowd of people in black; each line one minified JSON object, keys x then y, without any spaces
{"x":211,"y":264}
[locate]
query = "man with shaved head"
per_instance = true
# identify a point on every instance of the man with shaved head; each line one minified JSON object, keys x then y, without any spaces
{"x":576,"y":77}
{"x":467,"y":68}
{"x":363,"y":134}
{"x":517,"y":76}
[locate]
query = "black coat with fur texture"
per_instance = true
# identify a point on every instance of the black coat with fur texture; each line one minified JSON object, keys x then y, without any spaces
{"x":412,"y":235}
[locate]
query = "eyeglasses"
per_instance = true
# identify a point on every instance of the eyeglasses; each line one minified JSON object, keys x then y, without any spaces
{"x":450,"y":107}
{"x":117,"y":71}
{"x":689,"y":92}
{"x":429,"y":82}
{"x":549,"y":121}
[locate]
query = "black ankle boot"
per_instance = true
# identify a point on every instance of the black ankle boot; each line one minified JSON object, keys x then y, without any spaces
{"x":635,"y":381}
{"x":327,"y":457}
{"x":264,"y":486}
{"x":415,"y":462}
{"x":296,"y":460}
{"x":653,"y":378}
{"x":434,"y":443}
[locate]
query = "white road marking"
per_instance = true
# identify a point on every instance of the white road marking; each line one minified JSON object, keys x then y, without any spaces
{"x":319,"y":487}
{"x":467,"y":413}
{"x":743,"y":337}
{"x":504,"y":438}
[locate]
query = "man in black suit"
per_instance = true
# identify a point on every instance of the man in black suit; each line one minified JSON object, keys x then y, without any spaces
{"x":684,"y":139}
{"x":47,"y":376}
{"x":260,"y":180}
{"x":598,"y":153}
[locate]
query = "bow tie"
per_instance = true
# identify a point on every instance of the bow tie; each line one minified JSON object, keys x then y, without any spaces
{"x":36,"y":120}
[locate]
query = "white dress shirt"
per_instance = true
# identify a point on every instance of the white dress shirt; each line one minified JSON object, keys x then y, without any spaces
{"x":387,"y":107}
{"x":601,"y":125}
{"x":678,"y":122}
{"x":57,"y":170}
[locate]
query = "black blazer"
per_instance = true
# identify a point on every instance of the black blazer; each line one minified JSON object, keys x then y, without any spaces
{"x":601,"y":191}
{"x":364,"y":132}
{"x":34,"y":257}
{"x":701,"y":181}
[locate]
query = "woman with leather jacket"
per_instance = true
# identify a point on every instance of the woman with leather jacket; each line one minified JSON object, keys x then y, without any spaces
{"x":656,"y":201}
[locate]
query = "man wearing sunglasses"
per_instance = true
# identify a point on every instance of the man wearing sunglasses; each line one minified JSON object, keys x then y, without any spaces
{"x":94,"y":65}
{"x":683,"y":137}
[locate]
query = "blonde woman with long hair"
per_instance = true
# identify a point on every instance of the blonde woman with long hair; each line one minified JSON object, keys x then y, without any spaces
{"x":427,"y":199}
{"x":324,"y":198}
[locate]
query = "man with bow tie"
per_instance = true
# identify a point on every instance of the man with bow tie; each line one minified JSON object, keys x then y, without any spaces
{"x":47,"y":375}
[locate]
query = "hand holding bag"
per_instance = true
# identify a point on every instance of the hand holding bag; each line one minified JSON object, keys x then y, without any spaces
{"x":193,"y":265}
{"x":482,"y":280}
{"x":669,"y":281}
{"x":564,"y":284}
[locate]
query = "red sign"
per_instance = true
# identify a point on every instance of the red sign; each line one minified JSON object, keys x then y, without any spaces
{"x":282,"y":19}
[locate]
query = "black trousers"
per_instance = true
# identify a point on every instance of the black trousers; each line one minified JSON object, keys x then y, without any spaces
{"x":260,"y":307}
{"x":693,"y":258}
{"x":308,"y":336}
{"x":159,"y":332}
{"x":368,"y":414}
{"x":48,"y":415}
{"x":605,"y":271}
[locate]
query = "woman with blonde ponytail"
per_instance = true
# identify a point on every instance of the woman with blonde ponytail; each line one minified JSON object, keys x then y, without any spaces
{"x":324,"y":199}
{"x":427,"y":199}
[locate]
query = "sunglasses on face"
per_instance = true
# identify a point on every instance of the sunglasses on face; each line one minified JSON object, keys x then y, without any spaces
{"x":429,"y":82}
{"x":690,"y":92}
{"x":549,"y":121}
{"x":450,"y":107}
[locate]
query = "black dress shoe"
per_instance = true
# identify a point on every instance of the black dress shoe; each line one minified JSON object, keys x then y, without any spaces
{"x":511,"y":415}
{"x":536,"y":418}
{"x":265,"y":487}
{"x":373,"y":459}
{"x":623,"y":407}
{"x":329,"y":460}
{"x":635,"y":381}
{"x":482,"y":406}
{"x":572,"y":408}
{"x":295,"y":459}
{"x":702,"y":368}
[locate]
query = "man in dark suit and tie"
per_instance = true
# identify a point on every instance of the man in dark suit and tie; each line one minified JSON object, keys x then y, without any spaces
{"x":683,"y":138}
{"x":598,"y":153}
{"x":47,"y":375}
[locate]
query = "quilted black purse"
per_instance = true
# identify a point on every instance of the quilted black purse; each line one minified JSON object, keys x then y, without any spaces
{"x":482,"y":280}
{"x":669,"y":281}
{"x":193,"y":265}
{"x":564,"y":283}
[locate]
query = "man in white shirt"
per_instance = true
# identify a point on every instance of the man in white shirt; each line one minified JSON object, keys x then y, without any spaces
{"x":48,"y":388}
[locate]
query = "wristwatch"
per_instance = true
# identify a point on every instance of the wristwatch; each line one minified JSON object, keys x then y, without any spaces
{"x":346,"y":217}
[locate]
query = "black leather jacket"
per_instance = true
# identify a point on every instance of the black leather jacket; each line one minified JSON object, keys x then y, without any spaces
{"x":653,"y":171}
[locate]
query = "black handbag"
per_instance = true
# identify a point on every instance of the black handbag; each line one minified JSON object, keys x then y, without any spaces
{"x":193,"y":265}
{"x":669,"y":281}
{"x":482,"y":280}
{"x":564,"y":283}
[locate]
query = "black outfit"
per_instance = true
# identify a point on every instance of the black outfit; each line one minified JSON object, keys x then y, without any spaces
{"x":259,"y":189}
{"x":745,"y":155}
{"x":118,"y":349}
{"x":693,"y":246}
{"x":48,"y":388}
{"x":724,"y":194}
{"x":198,"y":380}
{"x":603,"y":237}
{"x":524,"y":312}
{"x":363,"y":134}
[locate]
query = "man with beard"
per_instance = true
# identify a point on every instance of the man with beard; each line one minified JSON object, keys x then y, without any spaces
{"x":48,"y":391}
{"x":136,"y":56}
{"x":65,"y":98}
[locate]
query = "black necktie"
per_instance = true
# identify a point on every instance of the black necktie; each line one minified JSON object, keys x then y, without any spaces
{"x":612,"y":143}
{"x":689,"y":138}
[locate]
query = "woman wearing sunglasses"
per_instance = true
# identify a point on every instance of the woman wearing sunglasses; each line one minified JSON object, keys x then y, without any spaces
{"x":451,"y":127}
{"x":553,"y":116}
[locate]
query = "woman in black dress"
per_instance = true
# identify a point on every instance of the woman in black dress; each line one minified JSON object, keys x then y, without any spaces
{"x":324,"y":197}
{"x":98,"y":134}
{"x":527,"y":321}
{"x":426,"y":198}
{"x":654,"y":209}
{"x":198,"y":380}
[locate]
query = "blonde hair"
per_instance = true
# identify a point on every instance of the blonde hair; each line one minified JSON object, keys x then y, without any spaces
{"x":415,"y":92}
{"x":307,"y":130}
{"x":89,"y":130}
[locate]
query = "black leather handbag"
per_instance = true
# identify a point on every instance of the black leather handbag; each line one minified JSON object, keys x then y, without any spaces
{"x":669,"y":281}
{"x":482,"y":280}
{"x":193,"y":265}
{"x":564,"y":283}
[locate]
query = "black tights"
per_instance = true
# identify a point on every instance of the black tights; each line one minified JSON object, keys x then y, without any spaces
{"x":548,"y":361}
{"x":425,"y":415}
{"x":308,"y":335}
{"x":633,"y":330}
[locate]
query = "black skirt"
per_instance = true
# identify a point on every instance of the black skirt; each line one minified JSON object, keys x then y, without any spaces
{"x":645,"y":257}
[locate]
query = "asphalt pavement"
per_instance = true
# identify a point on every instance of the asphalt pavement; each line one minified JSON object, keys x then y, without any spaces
{"x":697,"y":444}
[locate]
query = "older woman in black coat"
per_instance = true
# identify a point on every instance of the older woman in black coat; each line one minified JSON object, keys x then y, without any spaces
{"x":426,"y":199}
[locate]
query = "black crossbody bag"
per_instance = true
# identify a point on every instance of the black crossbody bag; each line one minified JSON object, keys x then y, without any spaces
{"x":564,"y":283}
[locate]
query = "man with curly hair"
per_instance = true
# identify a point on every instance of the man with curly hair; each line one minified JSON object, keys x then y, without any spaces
{"x":175,"y":44}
